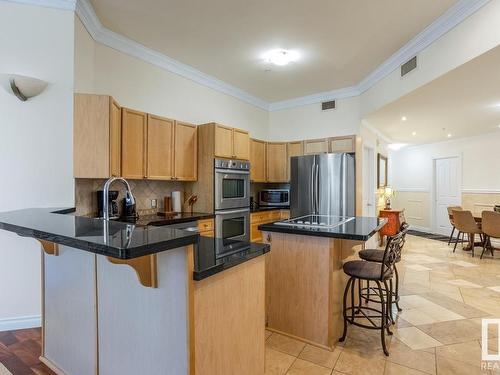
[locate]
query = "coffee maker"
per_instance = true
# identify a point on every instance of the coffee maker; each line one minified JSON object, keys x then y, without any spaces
{"x":113,"y":206}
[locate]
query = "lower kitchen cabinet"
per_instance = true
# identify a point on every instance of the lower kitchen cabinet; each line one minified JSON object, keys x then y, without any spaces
{"x":206,"y":227}
{"x":264,"y":217}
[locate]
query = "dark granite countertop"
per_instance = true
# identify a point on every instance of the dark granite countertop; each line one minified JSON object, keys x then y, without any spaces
{"x":360,"y":229}
{"x":161,"y":219}
{"x":213,"y":255}
{"x":260,"y":209}
{"x":126,"y":240}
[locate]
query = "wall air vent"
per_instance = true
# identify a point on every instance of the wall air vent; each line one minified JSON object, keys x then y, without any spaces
{"x":328,"y":105}
{"x":408,"y":66}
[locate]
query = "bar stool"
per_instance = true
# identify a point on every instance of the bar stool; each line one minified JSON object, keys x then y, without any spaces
{"x":376,"y":255}
{"x":381,"y":274}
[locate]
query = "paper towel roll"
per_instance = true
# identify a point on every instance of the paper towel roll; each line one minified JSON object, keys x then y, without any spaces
{"x":176,"y":201}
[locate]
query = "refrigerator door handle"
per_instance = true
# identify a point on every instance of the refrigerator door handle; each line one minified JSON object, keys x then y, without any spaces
{"x":312,"y":188}
{"x":316,"y":191}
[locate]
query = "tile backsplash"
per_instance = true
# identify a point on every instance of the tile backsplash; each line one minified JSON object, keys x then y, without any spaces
{"x":143,"y":190}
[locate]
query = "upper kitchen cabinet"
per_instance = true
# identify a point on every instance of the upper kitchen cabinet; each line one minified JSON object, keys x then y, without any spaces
{"x":229,"y":142}
{"x":160,"y":146}
{"x":185,"y":151}
{"x":134,"y":143}
{"x":277,"y":166}
{"x":343,"y":144}
{"x":96,"y":136}
{"x":315,"y":146}
{"x":257,"y":160}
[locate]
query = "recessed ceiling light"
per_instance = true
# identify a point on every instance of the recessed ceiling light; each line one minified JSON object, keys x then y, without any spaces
{"x":280,"y":56}
{"x":449,"y":135}
{"x":403,"y":118}
{"x":414,"y":133}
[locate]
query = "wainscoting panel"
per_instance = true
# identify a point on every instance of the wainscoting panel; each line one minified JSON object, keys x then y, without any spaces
{"x":416,"y":206}
{"x":478,"y":202}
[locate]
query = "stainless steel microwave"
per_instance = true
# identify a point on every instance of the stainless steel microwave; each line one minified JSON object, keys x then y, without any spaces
{"x":274,"y":198}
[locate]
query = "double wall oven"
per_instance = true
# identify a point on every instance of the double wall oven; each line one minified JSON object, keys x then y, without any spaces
{"x":232,"y":200}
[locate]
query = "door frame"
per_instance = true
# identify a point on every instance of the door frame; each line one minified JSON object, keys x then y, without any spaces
{"x":370,"y":146}
{"x":433,"y":197}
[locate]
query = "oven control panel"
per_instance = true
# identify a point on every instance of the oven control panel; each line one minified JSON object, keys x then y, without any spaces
{"x":232,"y":164}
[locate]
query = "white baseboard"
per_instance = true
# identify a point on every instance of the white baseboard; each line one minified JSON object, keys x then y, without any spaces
{"x":23,"y":322}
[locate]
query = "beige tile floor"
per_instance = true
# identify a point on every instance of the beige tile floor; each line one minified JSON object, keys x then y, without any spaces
{"x":444,"y":296}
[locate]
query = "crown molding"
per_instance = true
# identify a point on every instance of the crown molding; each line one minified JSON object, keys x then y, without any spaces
{"x":451,"y":18}
{"x":56,"y":4}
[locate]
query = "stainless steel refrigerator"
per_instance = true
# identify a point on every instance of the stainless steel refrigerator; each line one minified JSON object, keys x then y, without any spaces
{"x":323,"y":184}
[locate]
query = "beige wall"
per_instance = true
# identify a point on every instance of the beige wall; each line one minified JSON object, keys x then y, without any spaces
{"x":478,"y":202}
{"x":417,"y":207}
{"x":36,"y":153}
{"x":143,"y":86}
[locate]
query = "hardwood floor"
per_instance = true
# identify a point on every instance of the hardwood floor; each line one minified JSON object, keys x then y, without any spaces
{"x":19,"y":352}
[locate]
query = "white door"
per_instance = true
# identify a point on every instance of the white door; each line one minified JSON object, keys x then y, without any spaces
{"x":368,"y":181}
{"x":447,"y":192}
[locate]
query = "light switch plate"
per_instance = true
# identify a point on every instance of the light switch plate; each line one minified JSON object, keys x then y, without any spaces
{"x":154,"y":203}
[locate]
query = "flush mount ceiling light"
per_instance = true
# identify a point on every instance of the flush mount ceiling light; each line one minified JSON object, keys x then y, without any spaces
{"x":414,"y":133}
{"x":22,"y":87}
{"x":449,"y":135}
{"x":403,"y":118}
{"x":280,"y":56}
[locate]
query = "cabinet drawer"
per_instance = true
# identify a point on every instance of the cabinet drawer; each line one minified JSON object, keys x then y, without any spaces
{"x":259,"y":217}
{"x":208,"y":233}
{"x":206,"y":225}
{"x":274,"y":215}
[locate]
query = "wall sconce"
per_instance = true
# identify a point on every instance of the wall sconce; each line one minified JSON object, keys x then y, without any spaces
{"x":21,"y":86}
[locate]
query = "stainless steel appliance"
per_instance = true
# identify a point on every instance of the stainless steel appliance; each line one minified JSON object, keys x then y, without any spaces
{"x":323,"y":184}
{"x":316,"y":221}
{"x":274,"y":198}
{"x":232,"y":184}
{"x":232,"y":200}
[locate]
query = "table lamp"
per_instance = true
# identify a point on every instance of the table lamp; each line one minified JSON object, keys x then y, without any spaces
{"x":388,"y":192}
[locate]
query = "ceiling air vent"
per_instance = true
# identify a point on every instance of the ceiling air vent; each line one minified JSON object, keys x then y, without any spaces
{"x":408,"y":66}
{"x":328,"y":105}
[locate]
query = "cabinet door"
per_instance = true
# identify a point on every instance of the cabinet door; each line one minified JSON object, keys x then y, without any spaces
{"x":257,"y":161}
{"x":115,"y":137}
{"x":186,"y":152}
{"x":276,"y":162}
{"x":241,"y":144}
{"x":160,"y":148}
{"x":133,"y":144}
{"x":255,"y":233}
{"x":343,"y":144}
{"x":294,"y":149}
{"x":223,"y":141}
{"x":315,"y":146}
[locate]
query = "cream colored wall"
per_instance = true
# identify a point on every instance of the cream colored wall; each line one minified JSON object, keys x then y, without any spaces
{"x":36,"y":155}
{"x":309,"y":122}
{"x":471,"y":38}
{"x":478,"y":202}
{"x":143,"y":86}
{"x":416,"y":206}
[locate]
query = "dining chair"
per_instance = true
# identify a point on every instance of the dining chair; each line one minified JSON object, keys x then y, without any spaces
{"x":465,"y":223}
{"x":450,"y":216}
{"x":491,"y":229}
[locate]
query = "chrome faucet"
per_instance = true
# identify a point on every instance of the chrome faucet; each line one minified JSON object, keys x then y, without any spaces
{"x":105,"y":193}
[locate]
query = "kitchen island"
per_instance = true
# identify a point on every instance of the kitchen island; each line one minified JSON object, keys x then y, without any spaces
{"x":304,"y":277}
{"x":119,"y":298}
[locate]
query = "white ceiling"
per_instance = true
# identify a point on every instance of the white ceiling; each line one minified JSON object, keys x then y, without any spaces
{"x":341,"y":42}
{"x":465,"y":102}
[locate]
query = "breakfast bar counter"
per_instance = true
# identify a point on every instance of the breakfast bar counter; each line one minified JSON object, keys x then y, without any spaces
{"x":120,"y":298}
{"x":304,"y":277}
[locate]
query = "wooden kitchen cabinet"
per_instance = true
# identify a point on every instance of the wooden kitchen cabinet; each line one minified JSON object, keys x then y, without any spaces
{"x":343,"y":144}
{"x":134,"y":140}
{"x":315,"y":146}
{"x":293,"y":149}
{"x":185,"y":151}
{"x":241,"y":144}
{"x":96,"y":136}
{"x":206,"y":227}
{"x":277,"y":166}
{"x":160,"y":146}
{"x":259,"y":218}
{"x":257,"y":160}
{"x":231,"y":143}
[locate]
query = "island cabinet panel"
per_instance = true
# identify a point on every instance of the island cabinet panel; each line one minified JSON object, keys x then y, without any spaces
{"x":257,"y":160}
{"x":69,"y":318}
{"x":315,"y":146}
{"x":96,"y":136}
{"x":229,"y":326}
{"x":185,"y":151}
{"x":223,"y":141}
{"x":143,"y":330}
{"x":241,"y":144}
{"x":276,"y":162}
{"x":134,"y":139}
{"x":160,"y":148}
